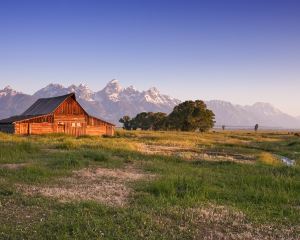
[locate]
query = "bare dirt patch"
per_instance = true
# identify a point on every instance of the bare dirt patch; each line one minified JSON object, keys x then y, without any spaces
{"x":18,"y":213}
{"x":108,"y":186}
{"x":196,"y":154}
{"x":13,"y":166}
{"x":229,"y":224}
{"x":219,"y":222}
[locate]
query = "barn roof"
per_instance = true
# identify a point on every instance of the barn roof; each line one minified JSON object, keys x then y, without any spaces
{"x":41,"y":107}
{"x":17,"y":118}
{"x":45,"y":106}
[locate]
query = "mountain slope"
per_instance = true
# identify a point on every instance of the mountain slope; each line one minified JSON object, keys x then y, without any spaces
{"x":110,"y":103}
{"x":114,"y":101}
{"x":262,"y":113}
{"x":119,"y":101}
{"x":13,"y":102}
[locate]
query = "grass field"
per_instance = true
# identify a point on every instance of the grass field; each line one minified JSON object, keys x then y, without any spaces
{"x":150,"y":185}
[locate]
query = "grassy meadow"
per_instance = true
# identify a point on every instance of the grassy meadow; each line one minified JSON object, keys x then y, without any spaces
{"x":150,"y":185}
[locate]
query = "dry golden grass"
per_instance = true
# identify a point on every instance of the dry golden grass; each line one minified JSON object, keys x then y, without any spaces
{"x":270,"y":159}
{"x":63,"y":187}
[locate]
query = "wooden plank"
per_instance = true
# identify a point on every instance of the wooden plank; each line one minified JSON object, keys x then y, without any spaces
{"x":69,"y":118}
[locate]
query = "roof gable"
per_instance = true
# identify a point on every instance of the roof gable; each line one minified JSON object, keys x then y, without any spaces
{"x":45,"y":106}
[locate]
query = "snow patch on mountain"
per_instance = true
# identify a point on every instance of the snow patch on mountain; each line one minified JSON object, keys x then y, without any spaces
{"x":111,"y":91}
{"x":114,"y":101}
{"x":116,"y":93}
{"x":52,"y":90}
{"x":82,"y":91}
{"x":8,"y":91}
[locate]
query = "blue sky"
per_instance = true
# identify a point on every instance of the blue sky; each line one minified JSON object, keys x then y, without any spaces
{"x":242,"y":51}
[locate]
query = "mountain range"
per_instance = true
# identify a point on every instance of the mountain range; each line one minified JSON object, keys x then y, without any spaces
{"x":114,"y":101}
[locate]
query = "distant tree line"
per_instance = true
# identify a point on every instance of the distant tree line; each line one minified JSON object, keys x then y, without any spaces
{"x":187,"y":116}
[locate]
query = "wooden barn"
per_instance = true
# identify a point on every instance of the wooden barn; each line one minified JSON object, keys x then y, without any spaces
{"x":61,"y":114}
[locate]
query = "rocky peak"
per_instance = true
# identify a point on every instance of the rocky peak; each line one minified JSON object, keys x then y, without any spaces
{"x":130,"y":90}
{"x":113,"y":102}
{"x":82,"y":91}
{"x":113,"y":86}
{"x":7,"y":88}
{"x":8,"y":91}
{"x":111,"y":91}
{"x":51,"y":90}
{"x":153,"y":90}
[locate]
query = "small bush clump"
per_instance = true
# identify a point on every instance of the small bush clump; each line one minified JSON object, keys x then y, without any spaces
{"x":269,"y":159}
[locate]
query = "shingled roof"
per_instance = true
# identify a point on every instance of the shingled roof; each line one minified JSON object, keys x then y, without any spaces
{"x":45,"y":106}
{"x":16,"y":119}
{"x":42,"y":106}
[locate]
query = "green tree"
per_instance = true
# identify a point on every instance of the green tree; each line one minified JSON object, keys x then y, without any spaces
{"x":126,"y":120}
{"x":191,"y":116}
{"x":158,"y":121}
{"x":149,"y":121}
{"x":141,"y":121}
{"x":256,"y":127}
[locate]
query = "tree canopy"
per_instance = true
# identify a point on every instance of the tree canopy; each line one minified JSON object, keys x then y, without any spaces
{"x":187,"y":116}
{"x":126,"y":120}
{"x":191,"y":116}
{"x":149,"y":121}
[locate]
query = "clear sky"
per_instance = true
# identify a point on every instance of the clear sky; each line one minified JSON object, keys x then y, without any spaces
{"x":242,"y":51}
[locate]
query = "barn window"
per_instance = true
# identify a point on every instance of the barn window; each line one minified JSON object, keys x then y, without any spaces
{"x":73,"y":125}
{"x":78,"y":125}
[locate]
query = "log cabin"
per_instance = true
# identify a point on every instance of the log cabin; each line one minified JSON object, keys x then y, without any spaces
{"x":62,"y":114}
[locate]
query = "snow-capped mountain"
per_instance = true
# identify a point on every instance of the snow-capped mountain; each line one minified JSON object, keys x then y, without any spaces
{"x":111,"y":91}
{"x":119,"y":101}
{"x":82,"y":91}
{"x":13,"y":102}
{"x":114,"y":101}
{"x":8,"y":91}
{"x":110,"y":103}
{"x":115,"y":93}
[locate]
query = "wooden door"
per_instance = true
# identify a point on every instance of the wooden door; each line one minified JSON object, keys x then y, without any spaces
{"x":79,"y":129}
{"x":61,"y":128}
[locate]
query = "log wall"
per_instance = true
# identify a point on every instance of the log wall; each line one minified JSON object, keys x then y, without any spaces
{"x":70,"y":107}
{"x":40,"y":128}
{"x":69,"y":118}
{"x":68,"y":127}
{"x":95,"y":130}
{"x":33,"y":128}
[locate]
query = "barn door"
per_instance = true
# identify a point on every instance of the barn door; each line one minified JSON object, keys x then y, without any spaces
{"x":61,"y":128}
{"x":80,"y":129}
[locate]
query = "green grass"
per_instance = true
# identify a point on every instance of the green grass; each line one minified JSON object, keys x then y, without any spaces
{"x":264,"y":193}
